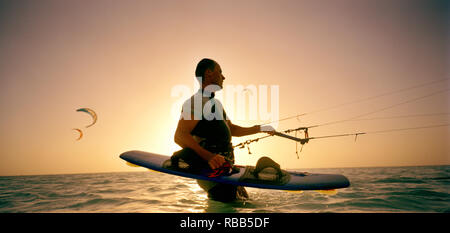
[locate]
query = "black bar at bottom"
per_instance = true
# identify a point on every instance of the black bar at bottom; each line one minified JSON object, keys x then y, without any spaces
{"x":218,"y":222}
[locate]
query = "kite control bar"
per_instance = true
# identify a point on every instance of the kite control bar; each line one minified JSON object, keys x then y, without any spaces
{"x":301,"y":140}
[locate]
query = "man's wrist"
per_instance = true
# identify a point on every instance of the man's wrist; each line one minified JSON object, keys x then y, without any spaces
{"x":257,"y":128}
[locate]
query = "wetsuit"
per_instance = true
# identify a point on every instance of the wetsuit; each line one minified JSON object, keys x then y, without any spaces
{"x":212,"y":133}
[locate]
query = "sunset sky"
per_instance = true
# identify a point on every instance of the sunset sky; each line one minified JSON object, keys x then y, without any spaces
{"x":123,"y":59}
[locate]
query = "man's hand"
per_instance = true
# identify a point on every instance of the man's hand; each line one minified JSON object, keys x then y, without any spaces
{"x":267,"y":129}
{"x":216,"y":161}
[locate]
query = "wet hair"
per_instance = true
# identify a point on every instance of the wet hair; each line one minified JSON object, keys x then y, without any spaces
{"x":204,"y":64}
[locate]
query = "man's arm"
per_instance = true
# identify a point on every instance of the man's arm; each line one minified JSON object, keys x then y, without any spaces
{"x":184,"y":139}
{"x":239,"y":131}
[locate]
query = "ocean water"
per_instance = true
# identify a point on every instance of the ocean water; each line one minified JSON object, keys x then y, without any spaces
{"x":372,"y":190}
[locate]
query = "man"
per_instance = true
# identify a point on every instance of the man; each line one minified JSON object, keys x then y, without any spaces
{"x":205,"y":130}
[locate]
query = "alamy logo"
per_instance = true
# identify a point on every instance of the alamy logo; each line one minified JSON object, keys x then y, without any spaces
{"x":251,"y":102}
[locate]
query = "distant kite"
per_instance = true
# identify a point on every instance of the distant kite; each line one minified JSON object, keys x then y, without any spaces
{"x":90,"y":112}
{"x":81,"y":133}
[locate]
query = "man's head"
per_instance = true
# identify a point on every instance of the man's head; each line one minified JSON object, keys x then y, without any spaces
{"x":208,"y":72}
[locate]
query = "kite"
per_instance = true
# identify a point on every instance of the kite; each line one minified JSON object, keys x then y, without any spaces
{"x":79,"y":131}
{"x":91,"y":113}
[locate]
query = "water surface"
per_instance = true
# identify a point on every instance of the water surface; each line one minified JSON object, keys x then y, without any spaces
{"x":386,"y":190}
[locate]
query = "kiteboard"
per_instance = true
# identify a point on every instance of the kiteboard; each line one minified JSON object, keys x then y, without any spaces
{"x":268,"y":178}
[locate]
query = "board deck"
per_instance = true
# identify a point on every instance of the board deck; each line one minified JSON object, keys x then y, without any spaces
{"x":297,"y":180}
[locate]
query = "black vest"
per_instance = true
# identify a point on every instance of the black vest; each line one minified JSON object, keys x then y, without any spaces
{"x":215,"y":133}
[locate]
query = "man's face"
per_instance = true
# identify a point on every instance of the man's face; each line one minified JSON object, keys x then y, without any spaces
{"x":215,"y":77}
